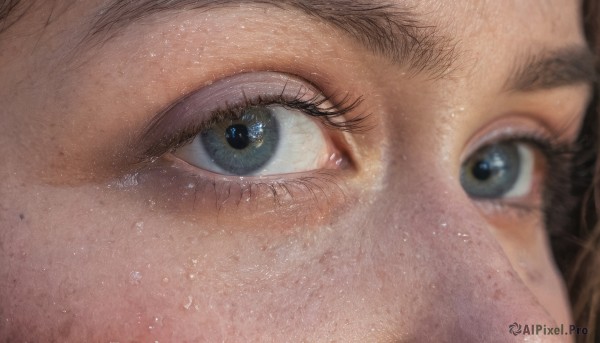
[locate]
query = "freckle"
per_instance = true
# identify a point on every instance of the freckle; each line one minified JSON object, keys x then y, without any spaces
{"x":22,"y":216}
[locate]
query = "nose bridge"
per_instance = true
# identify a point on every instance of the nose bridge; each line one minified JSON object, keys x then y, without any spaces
{"x":460,"y":272}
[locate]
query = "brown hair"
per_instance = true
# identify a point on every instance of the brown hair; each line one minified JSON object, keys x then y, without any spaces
{"x":584,"y":274}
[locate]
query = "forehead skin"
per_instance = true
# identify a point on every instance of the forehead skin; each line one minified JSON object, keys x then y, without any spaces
{"x":405,"y":256}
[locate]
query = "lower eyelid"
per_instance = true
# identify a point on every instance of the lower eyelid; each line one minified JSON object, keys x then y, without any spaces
{"x":174,"y":189}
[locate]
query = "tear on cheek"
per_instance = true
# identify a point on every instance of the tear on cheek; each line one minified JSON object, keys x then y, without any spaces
{"x":305,"y":200}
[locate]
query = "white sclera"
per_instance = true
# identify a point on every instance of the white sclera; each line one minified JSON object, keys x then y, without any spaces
{"x":524,"y":182}
{"x":302,"y":147}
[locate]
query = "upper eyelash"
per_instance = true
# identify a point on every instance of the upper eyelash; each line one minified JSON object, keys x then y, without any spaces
{"x":312,"y":106}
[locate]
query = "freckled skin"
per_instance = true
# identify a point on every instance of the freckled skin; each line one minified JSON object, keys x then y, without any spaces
{"x":403,"y":255}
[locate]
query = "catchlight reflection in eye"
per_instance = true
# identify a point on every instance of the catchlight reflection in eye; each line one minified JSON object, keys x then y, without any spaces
{"x":264,"y":140}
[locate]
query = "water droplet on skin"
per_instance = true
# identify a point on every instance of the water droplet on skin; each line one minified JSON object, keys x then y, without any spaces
{"x":135,"y":277}
{"x":129,"y":180}
{"x":189,"y":302}
{"x":139,"y":227}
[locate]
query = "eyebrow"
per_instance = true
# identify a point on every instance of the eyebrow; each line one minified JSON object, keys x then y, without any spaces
{"x":552,"y":69}
{"x":7,"y":16}
{"x":384,"y":28}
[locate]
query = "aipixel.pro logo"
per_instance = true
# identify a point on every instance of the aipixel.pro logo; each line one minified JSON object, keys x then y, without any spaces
{"x":540,"y":329}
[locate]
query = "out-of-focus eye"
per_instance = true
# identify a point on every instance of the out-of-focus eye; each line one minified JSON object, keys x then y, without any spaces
{"x":264,"y":140}
{"x":501,"y":170}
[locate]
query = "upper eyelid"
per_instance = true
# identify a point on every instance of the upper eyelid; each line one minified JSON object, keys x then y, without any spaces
{"x":199,"y":109}
{"x":213,"y":97}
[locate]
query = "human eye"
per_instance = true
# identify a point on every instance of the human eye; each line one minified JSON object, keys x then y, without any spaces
{"x":262,"y":130}
{"x":260,"y":140}
{"x":519,"y":171}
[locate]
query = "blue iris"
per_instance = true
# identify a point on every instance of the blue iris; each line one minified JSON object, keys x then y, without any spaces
{"x":244,"y":145}
{"x":492,"y":171}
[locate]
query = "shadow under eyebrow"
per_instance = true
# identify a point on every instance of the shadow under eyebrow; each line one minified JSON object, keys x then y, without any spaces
{"x":553,"y":69}
{"x":383,"y":28}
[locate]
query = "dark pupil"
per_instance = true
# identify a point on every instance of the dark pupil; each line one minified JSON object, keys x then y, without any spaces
{"x":237,"y":136}
{"x":482,"y":170}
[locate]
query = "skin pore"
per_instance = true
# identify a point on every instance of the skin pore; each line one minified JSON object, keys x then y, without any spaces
{"x":101,"y":242}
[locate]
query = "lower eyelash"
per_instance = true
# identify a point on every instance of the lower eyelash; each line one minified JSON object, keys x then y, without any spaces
{"x":314,"y":190}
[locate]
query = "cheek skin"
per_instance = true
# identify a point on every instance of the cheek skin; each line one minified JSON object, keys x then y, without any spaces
{"x":370,"y":277}
{"x":452,"y":255}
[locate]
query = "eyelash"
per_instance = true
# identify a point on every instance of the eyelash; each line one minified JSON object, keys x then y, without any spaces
{"x":558,"y":157}
{"x":557,"y":196}
{"x":333,"y":116}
